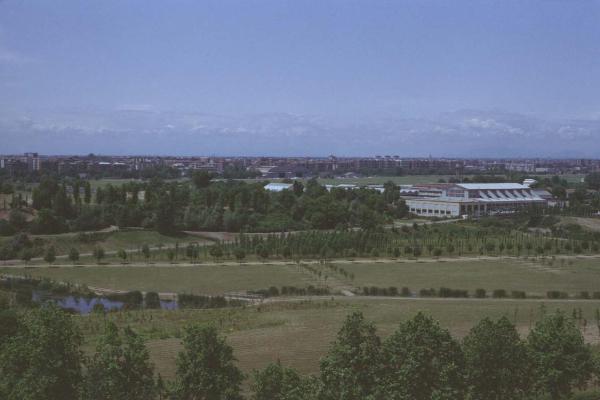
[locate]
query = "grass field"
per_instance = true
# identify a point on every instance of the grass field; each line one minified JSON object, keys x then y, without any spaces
{"x":200,"y":279}
{"x":112,"y":241}
{"x":101,"y":183}
{"x":379,"y":180}
{"x":531,"y":275}
{"x":406,"y":179}
{"x":298,"y":334}
{"x":592,"y":224}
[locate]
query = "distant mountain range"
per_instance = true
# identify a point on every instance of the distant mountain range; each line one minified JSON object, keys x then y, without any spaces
{"x":467,"y":133}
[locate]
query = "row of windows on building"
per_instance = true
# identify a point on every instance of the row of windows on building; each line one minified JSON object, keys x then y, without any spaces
{"x":429,"y":211}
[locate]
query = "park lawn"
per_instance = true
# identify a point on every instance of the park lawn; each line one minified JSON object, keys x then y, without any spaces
{"x":197,"y":279}
{"x":380,"y":180}
{"x":300,"y":333}
{"x":102,"y":183}
{"x":530,"y":275}
{"x":592,"y":224}
{"x":113,"y":241}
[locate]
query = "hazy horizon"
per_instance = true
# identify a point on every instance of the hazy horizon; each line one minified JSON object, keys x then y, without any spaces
{"x":455,"y":79}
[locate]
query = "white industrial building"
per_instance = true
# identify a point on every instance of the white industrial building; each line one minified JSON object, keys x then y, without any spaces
{"x":278,"y":187}
{"x":472,"y":199}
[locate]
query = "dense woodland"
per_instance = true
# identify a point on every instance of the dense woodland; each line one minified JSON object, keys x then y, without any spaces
{"x":41,"y":358}
{"x":200,"y":204}
{"x":70,"y":204}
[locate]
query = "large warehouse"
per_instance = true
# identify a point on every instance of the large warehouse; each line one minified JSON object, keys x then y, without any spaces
{"x":472,"y":199}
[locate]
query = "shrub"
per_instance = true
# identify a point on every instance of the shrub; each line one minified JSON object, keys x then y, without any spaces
{"x":480,"y":293}
{"x":518,"y":294}
{"x":499,"y":293}
{"x":132,"y":299}
{"x":584,"y":295}
{"x":152,"y":300}
{"x":405,"y":292}
{"x":198,"y":301}
{"x":447,"y":292}
{"x":555,"y":294}
{"x":427,"y":292}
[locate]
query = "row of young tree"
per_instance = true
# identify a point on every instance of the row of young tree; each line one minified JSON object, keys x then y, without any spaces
{"x":443,"y":240}
{"x":41,"y":358}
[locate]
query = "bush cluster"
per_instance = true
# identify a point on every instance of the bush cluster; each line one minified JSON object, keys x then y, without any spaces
{"x":291,"y":291}
{"x":185,"y":300}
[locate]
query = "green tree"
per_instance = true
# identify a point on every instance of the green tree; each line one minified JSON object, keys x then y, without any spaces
{"x":190,"y":251}
{"x":165,"y":216}
{"x":9,"y":322}
{"x":298,"y":188}
{"x":152,"y":300}
{"x":216,"y":251}
{"x":170,"y":254}
{"x":239,"y":254}
{"x":42,"y":361}
{"x":17,"y":220}
{"x":120,"y":368}
{"x":422,"y":362}
{"x":50,"y":255}
{"x":61,"y":204}
{"x":350,"y":370}
{"x":87,"y":196}
{"x":277,"y":383}
{"x":98,"y":254}
{"x":497,"y":360}
{"x":262,"y":251}
{"x":46,"y":222}
{"x":287,"y":252}
{"x":122,"y":254}
{"x":27,"y":255}
{"x":201,"y":179}
{"x":205,"y":368}
{"x":73,"y":255}
{"x":561,"y":359}
{"x":146,"y":252}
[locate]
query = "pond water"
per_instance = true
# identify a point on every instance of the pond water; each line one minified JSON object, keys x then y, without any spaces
{"x":85,"y":305}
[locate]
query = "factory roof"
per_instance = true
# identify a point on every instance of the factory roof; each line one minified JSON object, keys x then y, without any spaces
{"x":492,"y":186}
{"x":277,"y":187}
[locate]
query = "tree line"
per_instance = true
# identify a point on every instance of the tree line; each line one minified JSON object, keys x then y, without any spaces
{"x":41,"y":358}
{"x":199,"y":204}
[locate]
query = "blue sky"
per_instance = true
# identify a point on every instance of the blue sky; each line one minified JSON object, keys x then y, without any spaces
{"x":347,"y":61}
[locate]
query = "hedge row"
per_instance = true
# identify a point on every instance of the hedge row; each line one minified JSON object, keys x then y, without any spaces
{"x":199,"y":301}
{"x":460,"y":293}
{"x":291,"y":291}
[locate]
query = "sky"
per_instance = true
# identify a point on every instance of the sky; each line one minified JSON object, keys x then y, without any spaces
{"x":73,"y":73}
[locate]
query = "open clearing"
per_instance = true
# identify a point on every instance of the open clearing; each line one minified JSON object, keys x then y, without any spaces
{"x":299,"y":333}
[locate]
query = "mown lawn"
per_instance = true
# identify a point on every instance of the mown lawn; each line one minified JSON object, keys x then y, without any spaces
{"x":531,"y":276}
{"x":198,"y":279}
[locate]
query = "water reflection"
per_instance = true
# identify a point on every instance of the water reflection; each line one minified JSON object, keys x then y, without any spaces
{"x":85,"y":305}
